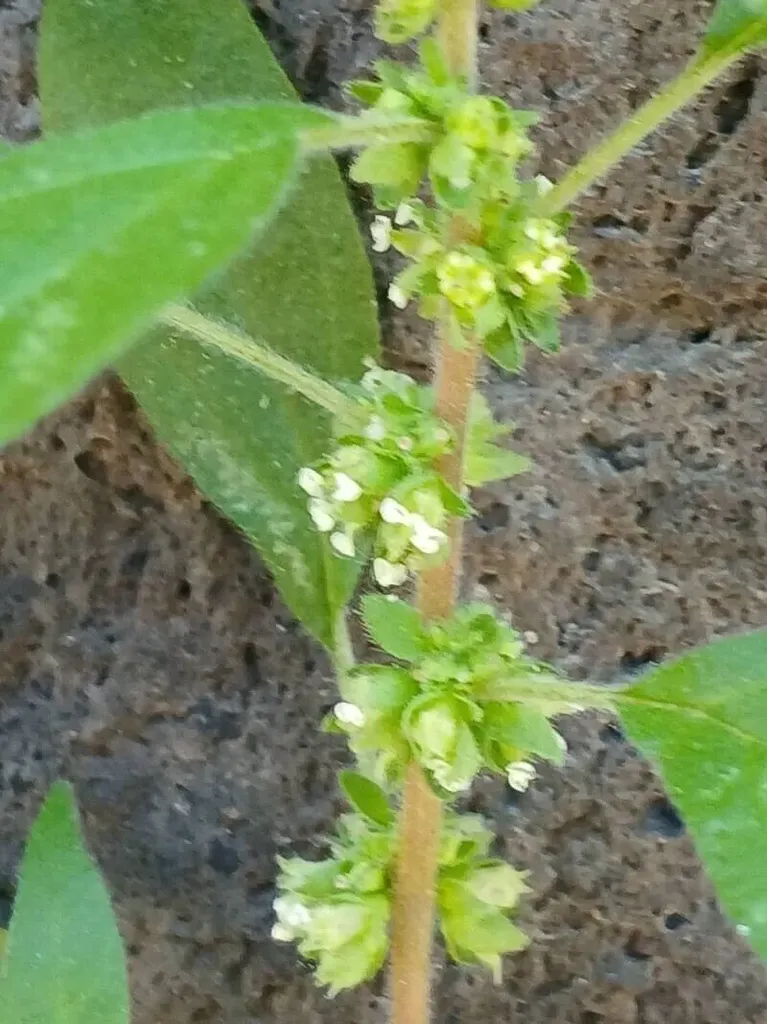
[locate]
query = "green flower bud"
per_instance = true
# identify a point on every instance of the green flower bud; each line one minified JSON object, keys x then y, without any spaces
{"x":475,"y":932}
{"x":465,"y":281}
{"x":396,"y":21}
{"x":475,"y":122}
{"x":497,"y":884}
{"x":443,"y":742}
{"x":348,"y":940}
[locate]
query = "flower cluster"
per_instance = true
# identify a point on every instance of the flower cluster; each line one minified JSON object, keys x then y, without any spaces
{"x":475,"y":894}
{"x":477,"y":143}
{"x":380,"y":481}
{"x":337,"y":910}
{"x":507,"y":275}
{"x":448,"y":709}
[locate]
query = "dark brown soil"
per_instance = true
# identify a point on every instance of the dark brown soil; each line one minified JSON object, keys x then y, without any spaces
{"x":146,"y":655}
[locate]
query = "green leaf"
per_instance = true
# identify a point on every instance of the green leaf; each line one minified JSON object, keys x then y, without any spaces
{"x":485,"y":461}
{"x":306,"y":291}
{"x":703,"y":720}
{"x":64,"y":961}
{"x":394,"y":625}
{"x":525,"y":728}
{"x":81,"y":214}
{"x":736,"y":25}
{"x":367,"y":798}
{"x":545,"y":333}
{"x":505,"y":348}
{"x":578,"y":280}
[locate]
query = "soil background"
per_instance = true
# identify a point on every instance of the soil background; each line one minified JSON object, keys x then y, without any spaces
{"x":145,"y":654}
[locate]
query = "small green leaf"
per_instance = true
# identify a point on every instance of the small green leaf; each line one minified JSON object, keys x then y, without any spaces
{"x":367,"y":798}
{"x":394,"y":625}
{"x":485,"y":461}
{"x":545,"y":333}
{"x":703,"y":720}
{"x":305,"y":291}
{"x":578,"y":280}
{"x":82,"y":213}
{"x":525,"y":728}
{"x":64,"y":961}
{"x":505,"y":347}
{"x":736,"y":25}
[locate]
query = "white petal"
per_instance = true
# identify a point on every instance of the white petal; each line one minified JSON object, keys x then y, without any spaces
{"x":392,"y":512}
{"x":310,"y":480}
{"x":380,"y":231}
{"x":346,"y":488}
{"x":376,"y":429}
{"x":519,"y":775}
{"x":553,"y":264}
{"x":397,"y":297}
{"x":388,"y":574}
{"x":405,"y":444}
{"x":404,"y":215}
{"x":543,"y":183}
{"x":349,"y":714}
{"x":281,"y":933}
{"x":342,"y":543}
{"x":319,"y":510}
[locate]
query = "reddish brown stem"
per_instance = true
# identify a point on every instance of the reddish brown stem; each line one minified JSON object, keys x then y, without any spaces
{"x":420,"y":824}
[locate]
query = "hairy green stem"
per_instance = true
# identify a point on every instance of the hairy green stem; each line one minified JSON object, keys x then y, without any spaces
{"x":343,"y":651}
{"x":368,"y":130}
{"x":599,"y":160}
{"x":420,"y":825}
{"x":241,"y":346}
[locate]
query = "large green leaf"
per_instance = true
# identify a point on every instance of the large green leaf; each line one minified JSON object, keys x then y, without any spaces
{"x":703,"y":720}
{"x":64,"y":961}
{"x":736,"y":25}
{"x":102,"y":229}
{"x":307,"y":291}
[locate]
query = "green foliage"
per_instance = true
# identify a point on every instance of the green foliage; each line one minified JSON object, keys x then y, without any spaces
{"x":394,"y":625}
{"x":81,"y":214}
{"x":64,"y":962}
{"x":396,"y":21}
{"x":736,"y":25}
{"x":449,"y":710}
{"x":379,"y":485}
{"x":703,"y":720}
{"x":306,"y":291}
{"x":484,"y":460}
{"x":367,"y":798}
{"x":475,"y":894}
{"x":337,"y":910}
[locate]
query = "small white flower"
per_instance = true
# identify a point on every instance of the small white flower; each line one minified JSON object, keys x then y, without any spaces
{"x":442,"y":773}
{"x":281,"y":933}
{"x":553,"y":264}
{"x":346,"y":488}
{"x":319,"y":510}
{"x":404,"y":215}
{"x":486,"y":282}
{"x":349,"y":714}
{"x":529,"y":270}
{"x":405,"y":444}
{"x":371,"y":379}
{"x":291,"y":912}
{"x":342,"y":543}
{"x":396,"y":296}
{"x":543,"y":183}
{"x":389,"y":574}
{"x":426,"y":538}
{"x":311,"y":481}
{"x":376,"y":429}
{"x":392,"y":512}
{"x":380,"y":231}
{"x":519,"y":775}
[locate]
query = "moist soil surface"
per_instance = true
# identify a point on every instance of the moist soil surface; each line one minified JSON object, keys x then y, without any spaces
{"x":146,"y":655}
